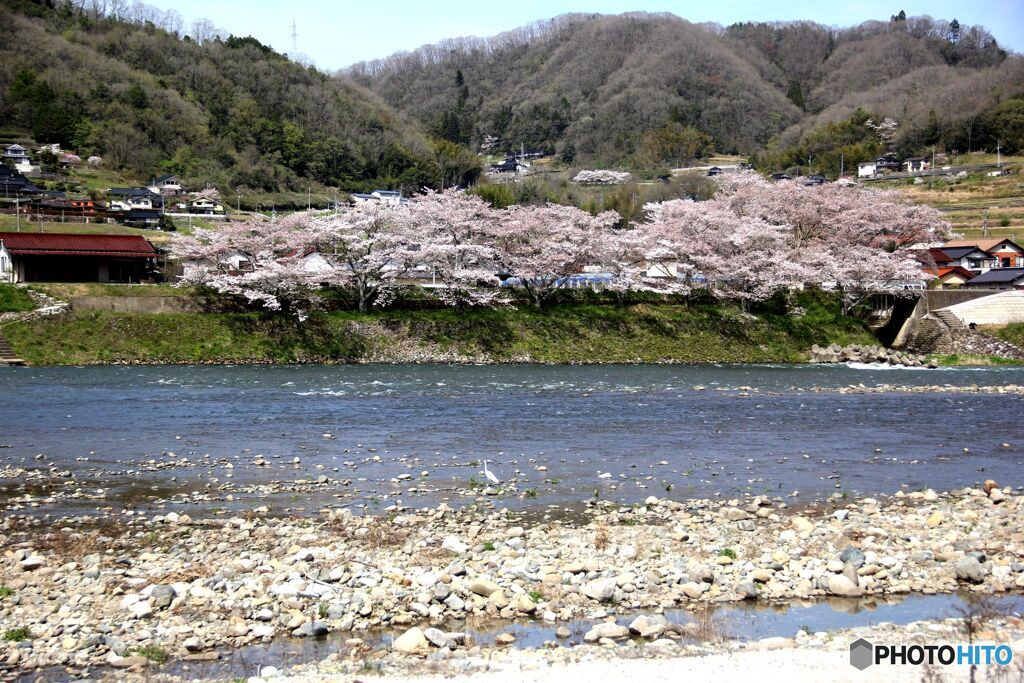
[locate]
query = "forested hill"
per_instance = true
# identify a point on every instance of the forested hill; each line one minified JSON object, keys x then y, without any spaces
{"x":644,"y":88}
{"x":216,"y":109}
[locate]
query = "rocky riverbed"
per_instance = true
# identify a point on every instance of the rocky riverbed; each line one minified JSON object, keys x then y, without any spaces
{"x":102,"y":596}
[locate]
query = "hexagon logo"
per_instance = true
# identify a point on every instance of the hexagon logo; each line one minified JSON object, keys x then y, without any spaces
{"x":861,"y":654}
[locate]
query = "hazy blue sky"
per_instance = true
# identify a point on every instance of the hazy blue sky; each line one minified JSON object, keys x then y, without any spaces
{"x":336,"y":34}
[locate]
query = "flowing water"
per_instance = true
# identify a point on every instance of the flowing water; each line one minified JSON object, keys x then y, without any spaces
{"x":81,"y":440}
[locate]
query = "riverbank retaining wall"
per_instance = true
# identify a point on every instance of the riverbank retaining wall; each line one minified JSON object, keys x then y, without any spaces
{"x":133,"y":304}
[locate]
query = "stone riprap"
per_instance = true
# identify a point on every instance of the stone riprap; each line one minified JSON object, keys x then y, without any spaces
{"x":869,"y":354}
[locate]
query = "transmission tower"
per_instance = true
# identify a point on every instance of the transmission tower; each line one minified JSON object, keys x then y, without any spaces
{"x":295,"y":40}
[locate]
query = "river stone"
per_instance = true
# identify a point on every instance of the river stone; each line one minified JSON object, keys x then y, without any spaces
{"x":606,"y":630}
{"x":455,"y":603}
{"x":852,"y":556}
{"x":748,"y":590}
{"x":162,"y":596}
{"x":453,"y":544}
{"x":736,"y":514}
{"x":648,"y":626}
{"x":483,"y":587}
{"x":692,"y":589}
{"x":969,"y":569}
{"x":411,"y":642}
{"x":193,"y":644}
{"x":841,"y":584}
{"x":803,"y":525}
{"x":437,"y":637}
{"x":702,"y":573}
{"x":32,"y":563}
{"x":601,"y":590}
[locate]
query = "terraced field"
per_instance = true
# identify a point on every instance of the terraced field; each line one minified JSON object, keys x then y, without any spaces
{"x":977,"y":202}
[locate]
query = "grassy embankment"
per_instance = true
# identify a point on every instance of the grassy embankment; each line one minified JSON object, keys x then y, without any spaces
{"x":562,"y":334}
{"x":14,"y":299}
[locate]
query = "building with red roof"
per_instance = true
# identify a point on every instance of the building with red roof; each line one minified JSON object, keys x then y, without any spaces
{"x":55,"y":257}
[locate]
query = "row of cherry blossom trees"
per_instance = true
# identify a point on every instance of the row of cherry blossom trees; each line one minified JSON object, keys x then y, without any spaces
{"x":752,"y":239}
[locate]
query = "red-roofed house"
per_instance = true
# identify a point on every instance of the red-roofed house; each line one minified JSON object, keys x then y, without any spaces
{"x":1004,"y":253}
{"x":53,"y":257}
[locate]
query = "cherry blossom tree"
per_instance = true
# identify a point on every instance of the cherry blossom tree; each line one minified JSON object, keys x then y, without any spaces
{"x":601,"y":177}
{"x":738,"y":256}
{"x":451,"y":231}
{"x":255,"y":260}
{"x":368,"y":251}
{"x":542,"y":247}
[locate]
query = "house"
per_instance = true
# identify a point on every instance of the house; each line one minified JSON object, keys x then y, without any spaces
{"x":127,"y":198}
{"x":1001,"y":252}
{"x":866,"y":169}
{"x":57,"y":204}
{"x":951,"y":277}
{"x":916,"y":164}
{"x":998,"y":278}
{"x":13,"y":184}
{"x":55,"y":257}
{"x":714,"y":170}
{"x":205,"y":205}
{"x":16,"y":155}
{"x":510,"y":165}
{"x":886,"y":162}
{"x":385,"y":197}
{"x":531,"y":153}
{"x":967,"y":257}
{"x":140,"y":218}
{"x":815,"y":180}
{"x":167,"y":185}
{"x":781,"y":176}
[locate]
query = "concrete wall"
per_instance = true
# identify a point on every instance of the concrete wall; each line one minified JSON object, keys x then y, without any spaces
{"x":1003,"y":308}
{"x":944,"y":298}
{"x":133,"y":304}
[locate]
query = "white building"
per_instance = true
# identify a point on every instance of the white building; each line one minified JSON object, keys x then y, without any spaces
{"x":19,"y":157}
{"x":867,"y":169}
{"x":385,"y":197}
{"x":6,"y":264}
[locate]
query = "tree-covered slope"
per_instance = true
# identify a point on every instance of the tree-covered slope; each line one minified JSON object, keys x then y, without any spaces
{"x":609,"y":89}
{"x":224,"y":111}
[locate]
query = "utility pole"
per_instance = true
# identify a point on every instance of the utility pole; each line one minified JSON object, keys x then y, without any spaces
{"x":932,"y":177}
{"x":17,"y":209}
{"x":999,"y":154}
{"x":984,"y":224}
{"x":842,"y":165}
{"x":309,"y":198}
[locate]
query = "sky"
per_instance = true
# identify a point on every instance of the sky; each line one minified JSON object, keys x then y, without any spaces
{"x":334,"y":34}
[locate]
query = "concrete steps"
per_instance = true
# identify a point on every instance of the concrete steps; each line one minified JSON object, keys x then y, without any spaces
{"x":951,"y":320}
{"x":7,"y":356}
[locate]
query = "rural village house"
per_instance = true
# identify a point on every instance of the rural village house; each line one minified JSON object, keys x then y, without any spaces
{"x":54,"y":257}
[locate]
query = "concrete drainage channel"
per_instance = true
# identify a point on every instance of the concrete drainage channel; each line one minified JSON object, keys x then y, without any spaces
{"x":750,"y":621}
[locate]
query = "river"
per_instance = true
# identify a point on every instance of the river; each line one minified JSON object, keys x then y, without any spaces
{"x":88,"y":440}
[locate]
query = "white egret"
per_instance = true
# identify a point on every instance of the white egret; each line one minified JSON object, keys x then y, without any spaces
{"x":490,"y":475}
